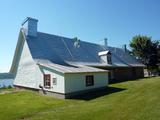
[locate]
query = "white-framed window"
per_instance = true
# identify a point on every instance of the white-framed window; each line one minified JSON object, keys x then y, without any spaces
{"x":54,"y":81}
{"x":47,"y":80}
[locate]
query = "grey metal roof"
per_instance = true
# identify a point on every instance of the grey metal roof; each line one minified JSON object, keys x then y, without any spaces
{"x":62,"y":51}
{"x":6,"y":76}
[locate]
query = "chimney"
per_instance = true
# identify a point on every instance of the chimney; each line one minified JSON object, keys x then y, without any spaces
{"x":30,"y":26}
{"x":105,"y":42}
{"x":125,"y":48}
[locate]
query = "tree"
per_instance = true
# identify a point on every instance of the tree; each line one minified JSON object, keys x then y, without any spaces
{"x":141,"y":47}
{"x":144,"y":49}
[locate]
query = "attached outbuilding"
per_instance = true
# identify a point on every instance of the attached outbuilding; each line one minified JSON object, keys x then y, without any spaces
{"x":67,"y":81}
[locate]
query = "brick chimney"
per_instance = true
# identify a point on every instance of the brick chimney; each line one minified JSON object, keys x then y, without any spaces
{"x":30,"y":26}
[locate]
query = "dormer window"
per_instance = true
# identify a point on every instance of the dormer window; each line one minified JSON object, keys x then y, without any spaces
{"x":105,"y":57}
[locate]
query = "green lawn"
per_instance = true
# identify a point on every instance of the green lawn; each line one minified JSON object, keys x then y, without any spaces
{"x":132,"y":100}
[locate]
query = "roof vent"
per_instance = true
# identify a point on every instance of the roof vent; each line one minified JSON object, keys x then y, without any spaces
{"x":124,"y":47}
{"x":106,"y":42}
{"x":30,"y":25}
{"x":76,"y":42}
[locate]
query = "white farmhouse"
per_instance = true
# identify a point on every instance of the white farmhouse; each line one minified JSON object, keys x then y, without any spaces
{"x":47,"y":63}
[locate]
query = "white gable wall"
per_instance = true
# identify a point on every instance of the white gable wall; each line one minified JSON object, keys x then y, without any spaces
{"x":27,"y":70}
{"x":77,"y":81}
{"x":29,"y":74}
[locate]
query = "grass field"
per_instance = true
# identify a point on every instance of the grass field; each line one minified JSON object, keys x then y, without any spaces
{"x":131,"y":100}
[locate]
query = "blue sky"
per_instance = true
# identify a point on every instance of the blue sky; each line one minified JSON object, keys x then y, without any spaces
{"x":89,"y":20}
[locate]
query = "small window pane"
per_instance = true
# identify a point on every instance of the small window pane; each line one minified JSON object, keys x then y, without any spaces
{"x":54,"y":81}
{"x":89,"y":80}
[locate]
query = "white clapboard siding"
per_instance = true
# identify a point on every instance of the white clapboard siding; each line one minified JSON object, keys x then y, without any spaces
{"x":28,"y":71}
{"x":77,"y":82}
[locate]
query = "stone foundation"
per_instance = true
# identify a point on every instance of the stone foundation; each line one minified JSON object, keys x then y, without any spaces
{"x":61,"y":95}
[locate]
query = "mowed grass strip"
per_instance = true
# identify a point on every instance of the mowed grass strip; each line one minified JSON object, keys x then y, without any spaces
{"x":131,"y":100}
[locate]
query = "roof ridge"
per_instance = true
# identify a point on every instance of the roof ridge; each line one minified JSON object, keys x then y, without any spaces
{"x":71,"y":38}
{"x":80,"y":40}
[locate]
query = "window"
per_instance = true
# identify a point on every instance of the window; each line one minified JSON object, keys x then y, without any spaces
{"x":89,"y":80}
{"x":54,"y":81}
{"x":47,"y":80}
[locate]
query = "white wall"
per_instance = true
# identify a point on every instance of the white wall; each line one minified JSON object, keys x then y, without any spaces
{"x":27,"y":70}
{"x":59,"y":86}
{"x":77,"y":81}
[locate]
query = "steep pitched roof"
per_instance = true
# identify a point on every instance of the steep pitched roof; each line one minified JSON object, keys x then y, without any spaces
{"x":62,"y":51}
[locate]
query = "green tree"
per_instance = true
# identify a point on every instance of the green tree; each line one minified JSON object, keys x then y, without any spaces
{"x":143,"y":48}
{"x":140,"y":47}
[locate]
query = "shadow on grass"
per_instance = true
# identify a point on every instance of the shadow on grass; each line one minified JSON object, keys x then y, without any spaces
{"x":98,"y":93}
